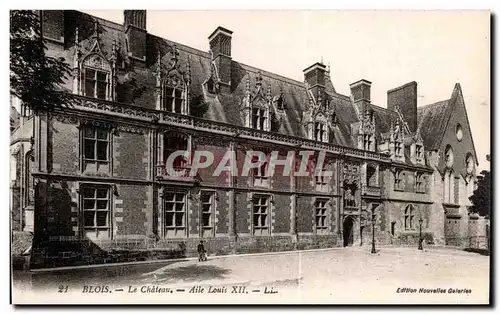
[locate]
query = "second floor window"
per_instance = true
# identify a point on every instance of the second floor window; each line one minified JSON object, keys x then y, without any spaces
{"x":96,"y":148}
{"x":398,"y":180}
{"x":173,"y":99}
{"x":259,"y":118}
{"x":260,"y":176}
{"x":96,"y":83}
{"x":420,"y":183}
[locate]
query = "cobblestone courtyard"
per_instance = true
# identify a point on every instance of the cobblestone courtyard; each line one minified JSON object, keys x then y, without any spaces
{"x":343,"y":275}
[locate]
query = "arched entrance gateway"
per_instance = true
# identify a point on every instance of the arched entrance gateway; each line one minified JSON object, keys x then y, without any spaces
{"x":348,"y":234}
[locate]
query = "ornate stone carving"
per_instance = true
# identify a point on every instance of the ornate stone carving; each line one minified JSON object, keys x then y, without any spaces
{"x":351,"y":173}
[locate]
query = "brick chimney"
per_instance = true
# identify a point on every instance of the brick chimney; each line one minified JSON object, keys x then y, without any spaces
{"x":220,"y":46}
{"x":53,"y":25}
{"x":315,"y":79}
{"x":135,"y":33}
{"x":360,"y":94}
{"x":405,"y":97}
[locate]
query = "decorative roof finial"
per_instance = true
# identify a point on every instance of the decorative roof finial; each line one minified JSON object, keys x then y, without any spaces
{"x":96,"y":28}
{"x":76,"y":37}
{"x":259,"y":79}
{"x":188,"y":70}
{"x":247,"y":86}
{"x":321,"y":59}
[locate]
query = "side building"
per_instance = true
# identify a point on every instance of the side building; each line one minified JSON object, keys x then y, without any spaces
{"x":92,"y":178}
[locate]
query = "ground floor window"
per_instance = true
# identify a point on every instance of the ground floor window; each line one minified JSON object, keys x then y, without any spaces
{"x":207,"y":213}
{"x":175,"y":214}
{"x":409,"y":217}
{"x":96,"y":211}
{"x":261,"y":215}
{"x":321,"y":216}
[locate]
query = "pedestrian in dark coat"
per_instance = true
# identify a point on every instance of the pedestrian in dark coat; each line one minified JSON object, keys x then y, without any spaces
{"x":202,"y":253}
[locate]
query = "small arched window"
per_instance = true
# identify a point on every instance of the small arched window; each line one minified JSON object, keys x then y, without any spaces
{"x":409,"y":217}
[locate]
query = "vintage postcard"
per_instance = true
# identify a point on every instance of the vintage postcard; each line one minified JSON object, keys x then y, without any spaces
{"x":250,"y":157}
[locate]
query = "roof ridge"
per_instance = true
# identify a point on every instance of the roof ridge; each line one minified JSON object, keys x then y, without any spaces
{"x":433,"y":104}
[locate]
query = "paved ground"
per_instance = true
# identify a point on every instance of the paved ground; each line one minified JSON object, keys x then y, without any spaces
{"x":347,"y":275}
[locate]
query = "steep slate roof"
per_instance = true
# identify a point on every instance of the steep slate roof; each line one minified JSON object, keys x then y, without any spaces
{"x":432,"y":120}
{"x":226,"y":107}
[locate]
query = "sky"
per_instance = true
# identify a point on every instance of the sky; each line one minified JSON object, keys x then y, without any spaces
{"x":436,"y":49}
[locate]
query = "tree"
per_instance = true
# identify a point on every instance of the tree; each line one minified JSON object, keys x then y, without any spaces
{"x":481,"y":198}
{"x":35,"y":78}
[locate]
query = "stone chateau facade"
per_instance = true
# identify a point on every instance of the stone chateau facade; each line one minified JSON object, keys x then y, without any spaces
{"x":95,"y":172}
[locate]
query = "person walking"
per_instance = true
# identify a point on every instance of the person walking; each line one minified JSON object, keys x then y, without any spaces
{"x":202,"y":253}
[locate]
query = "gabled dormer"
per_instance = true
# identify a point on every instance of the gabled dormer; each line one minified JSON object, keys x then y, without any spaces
{"x":172,"y":83}
{"x":318,"y":118}
{"x":94,"y":71}
{"x":396,"y":141}
{"x":417,"y":153}
{"x":256,"y":105}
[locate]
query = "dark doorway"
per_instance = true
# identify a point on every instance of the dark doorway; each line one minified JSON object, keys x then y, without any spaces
{"x":348,"y":236}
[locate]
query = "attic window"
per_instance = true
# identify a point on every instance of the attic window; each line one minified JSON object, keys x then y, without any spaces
{"x":210,"y":86}
{"x":280,"y":103}
{"x":459,"y":132}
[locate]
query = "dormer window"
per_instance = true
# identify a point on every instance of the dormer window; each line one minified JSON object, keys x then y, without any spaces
{"x":419,"y":152}
{"x":398,"y":149}
{"x":280,"y":103}
{"x":96,"y":83}
{"x":320,"y":132}
{"x":367,"y":141}
{"x":96,"y":77}
{"x":173,"y":99}
{"x":259,"y":118}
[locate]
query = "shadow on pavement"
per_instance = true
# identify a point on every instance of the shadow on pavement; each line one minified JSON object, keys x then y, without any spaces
{"x":78,"y":277}
{"x":191,"y":273}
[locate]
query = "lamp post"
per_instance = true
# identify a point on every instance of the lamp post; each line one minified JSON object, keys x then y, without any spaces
{"x":373,"y":231}
{"x":420,"y":237}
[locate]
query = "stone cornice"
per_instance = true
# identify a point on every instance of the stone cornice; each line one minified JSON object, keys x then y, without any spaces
{"x":152,"y":117}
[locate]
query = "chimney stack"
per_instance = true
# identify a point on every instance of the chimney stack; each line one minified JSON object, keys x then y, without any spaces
{"x":360,"y":94}
{"x":405,"y":97}
{"x":220,"y":46}
{"x":135,"y":32}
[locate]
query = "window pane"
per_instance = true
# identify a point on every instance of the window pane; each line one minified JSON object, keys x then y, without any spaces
{"x":102,"y":150}
{"x":88,"y":204}
{"x":179,"y":207}
{"x":102,"y":193}
{"x":167,"y":103}
{"x":206,"y":220}
{"x":102,"y":134}
{"x":102,"y":219}
{"x":89,"y":149}
{"x":178,"y":105}
{"x":169,"y":207}
{"x":255,"y":122}
{"x":89,"y":132}
{"x":101,"y":204}
{"x":101,"y":90}
{"x":256,"y":220}
{"x":88,"y":218}
{"x":206,"y":207}
{"x":169,"y":196}
{"x":179,"y":219}
{"x":88,"y":193}
{"x":169,"y":219}
{"x":169,"y":92}
{"x":178,"y":93}
{"x":89,"y":88}
{"x":263,"y":220}
{"x":206,"y":198}
{"x":101,"y":76}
